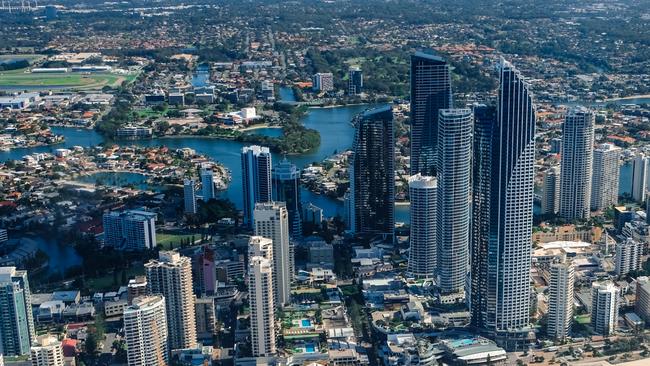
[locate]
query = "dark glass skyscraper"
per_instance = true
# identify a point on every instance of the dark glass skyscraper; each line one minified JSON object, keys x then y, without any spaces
{"x":355,"y":81}
{"x":484,"y":126}
{"x":256,"y":178}
{"x":503,"y":212}
{"x":372,"y":174}
{"x":285,"y":178}
{"x":430,"y":92}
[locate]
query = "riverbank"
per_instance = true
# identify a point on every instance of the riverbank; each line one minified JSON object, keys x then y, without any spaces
{"x":259,"y":126}
{"x":631,"y":97}
{"x":10,"y":142}
{"x":7,"y":148}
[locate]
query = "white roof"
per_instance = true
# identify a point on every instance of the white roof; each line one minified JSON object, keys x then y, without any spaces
{"x":562,"y":244}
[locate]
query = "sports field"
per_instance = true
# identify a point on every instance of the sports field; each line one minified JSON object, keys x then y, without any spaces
{"x":31,"y":58}
{"x":15,"y":79}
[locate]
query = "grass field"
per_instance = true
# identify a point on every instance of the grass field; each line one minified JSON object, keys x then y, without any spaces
{"x":583,"y":319}
{"x":166,"y":240}
{"x":106,"y":282}
{"x":148,"y":112}
{"x":29,"y":57}
{"x":79,"y":81}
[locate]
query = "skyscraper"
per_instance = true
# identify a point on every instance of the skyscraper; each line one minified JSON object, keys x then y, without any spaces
{"x":604,"y":183}
{"x":640,"y":172}
{"x":372,"y":175}
{"x":189,"y":196}
{"x":171,"y":277}
{"x":271,"y":221}
{"x":145,"y":332}
{"x":260,"y":297}
{"x":560,"y":301}
{"x":604,"y":307}
{"x":286,"y":188}
{"x":454,"y":168}
{"x":423,"y":249}
{"x":577,"y":155}
{"x":430,"y":92}
{"x":355,"y":81}
{"x":207,"y":184}
{"x":503,"y":210}
{"x":17,"y":332}
{"x":551,"y":190}
{"x":484,"y":137}
{"x":130,"y":230}
{"x":256,"y":176}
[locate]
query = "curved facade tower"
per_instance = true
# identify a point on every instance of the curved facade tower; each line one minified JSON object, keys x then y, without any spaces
{"x":502,"y":231}
{"x":454,"y":166}
{"x":423,"y":249}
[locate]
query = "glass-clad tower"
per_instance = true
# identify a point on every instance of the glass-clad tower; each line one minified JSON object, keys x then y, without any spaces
{"x":430,"y":92}
{"x":285,"y":178}
{"x":256,"y":178}
{"x":372,"y":174}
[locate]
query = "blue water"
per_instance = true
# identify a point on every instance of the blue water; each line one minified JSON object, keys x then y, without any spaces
{"x":287,"y":94}
{"x":332,"y":123}
{"x":310,"y":348}
{"x":73,"y":137}
{"x":61,"y":256}
{"x":305,"y":323}
{"x":201,"y":77}
{"x":267,"y":131}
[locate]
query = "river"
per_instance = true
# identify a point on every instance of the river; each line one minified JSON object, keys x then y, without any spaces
{"x":333,"y":125}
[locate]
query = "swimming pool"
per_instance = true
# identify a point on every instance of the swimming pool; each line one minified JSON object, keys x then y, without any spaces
{"x":310,"y":348}
{"x":305,"y":323}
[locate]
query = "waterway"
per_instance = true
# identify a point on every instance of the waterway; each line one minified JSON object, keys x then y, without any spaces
{"x":332,"y":123}
{"x":60,"y":255}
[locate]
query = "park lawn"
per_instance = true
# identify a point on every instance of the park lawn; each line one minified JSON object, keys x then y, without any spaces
{"x":583,"y":319}
{"x":355,"y":61}
{"x":166,"y":240}
{"x":105,"y":283}
{"x":29,"y":57}
{"x":148,"y":112}
{"x":18,"y":78}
